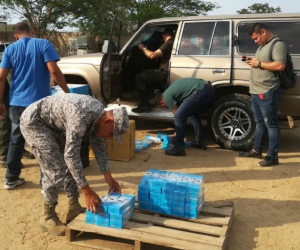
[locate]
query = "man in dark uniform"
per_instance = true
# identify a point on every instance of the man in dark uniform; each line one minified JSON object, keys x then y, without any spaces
{"x":157,"y":77}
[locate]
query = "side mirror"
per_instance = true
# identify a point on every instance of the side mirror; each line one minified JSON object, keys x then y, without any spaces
{"x":113,"y":47}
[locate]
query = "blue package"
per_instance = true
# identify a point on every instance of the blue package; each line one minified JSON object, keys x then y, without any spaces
{"x":131,"y":199}
{"x":194,"y":197}
{"x":179,"y":195}
{"x":155,"y":208}
{"x":166,"y":204}
{"x":149,"y":173}
{"x":119,"y":206}
{"x":155,"y":199}
{"x":118,"y":221}
{"x":168,"y":211}
{"x":143,"y":196}
{"x":74,"y":88}
{"x":153,"y":138}
{"x":178,"y":214}
{"x":178,"y":207}
{"x":140,"y":146}
{"x":90,"y":217}
{"x":194,"y":214}
{"x":196,"y":184}
{"x":102,"y":220}
{"x":183,"y":182}
{"x":143,"y":206}
{"x":170,"y":180}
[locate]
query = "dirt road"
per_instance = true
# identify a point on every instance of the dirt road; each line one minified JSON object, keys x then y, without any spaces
{"x":266,"y":200}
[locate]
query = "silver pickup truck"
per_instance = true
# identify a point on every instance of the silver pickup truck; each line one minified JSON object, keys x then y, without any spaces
{"x":206,"y":47}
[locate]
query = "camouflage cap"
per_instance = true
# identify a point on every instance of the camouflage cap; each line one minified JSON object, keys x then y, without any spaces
{"x":121,"y":121}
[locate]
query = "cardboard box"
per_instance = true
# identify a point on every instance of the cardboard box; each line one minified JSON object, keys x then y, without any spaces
{"x":126,"y":150}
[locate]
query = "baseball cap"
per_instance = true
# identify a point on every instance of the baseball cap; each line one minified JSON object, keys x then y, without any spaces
{"x":121,"y":123}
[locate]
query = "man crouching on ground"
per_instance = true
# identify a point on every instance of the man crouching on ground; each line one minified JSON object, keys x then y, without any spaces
{"x":54,"y":128}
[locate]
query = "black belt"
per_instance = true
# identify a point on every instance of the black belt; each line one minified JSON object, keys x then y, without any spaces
{"x":207,"y":84}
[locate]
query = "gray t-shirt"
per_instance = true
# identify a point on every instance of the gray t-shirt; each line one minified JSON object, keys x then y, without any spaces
{"x":263,"y":80}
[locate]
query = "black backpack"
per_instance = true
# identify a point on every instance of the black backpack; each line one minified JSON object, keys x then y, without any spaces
{"x":287,"y":77}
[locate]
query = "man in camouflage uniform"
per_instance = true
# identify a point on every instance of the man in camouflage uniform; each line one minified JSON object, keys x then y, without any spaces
{"x":54,"y":128}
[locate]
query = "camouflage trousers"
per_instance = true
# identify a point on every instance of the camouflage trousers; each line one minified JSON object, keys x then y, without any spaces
{"x":48,"y":148}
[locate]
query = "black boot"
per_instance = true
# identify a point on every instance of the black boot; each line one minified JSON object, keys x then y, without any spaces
{"x":176,"y":151}
{"x":144,"y":105}
{"x":199,"y":143}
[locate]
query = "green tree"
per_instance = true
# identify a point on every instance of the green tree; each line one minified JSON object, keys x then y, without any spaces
{"x":258,"y":8}
{"x":44,"y":16}
{"x":136,"y":12}
{"x":141,"y":11}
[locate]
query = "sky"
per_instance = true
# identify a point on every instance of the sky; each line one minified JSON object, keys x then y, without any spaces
{"x":231,"y":6}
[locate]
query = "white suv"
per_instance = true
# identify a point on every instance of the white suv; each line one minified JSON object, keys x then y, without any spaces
{"x":206,"y":47}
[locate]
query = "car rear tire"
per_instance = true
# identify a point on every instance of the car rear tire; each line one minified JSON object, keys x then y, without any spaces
{"x":232,"y":122}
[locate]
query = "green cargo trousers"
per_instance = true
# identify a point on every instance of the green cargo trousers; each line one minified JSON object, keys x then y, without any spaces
{"x":5,"y":126}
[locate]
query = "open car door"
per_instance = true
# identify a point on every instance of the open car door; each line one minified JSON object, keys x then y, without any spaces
{"x":111,"y":64}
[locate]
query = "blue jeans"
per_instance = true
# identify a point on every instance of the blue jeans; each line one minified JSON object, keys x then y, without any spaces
{"x":266,"y":117}
{"x":191,"y":107}
{"x":16,"y":144}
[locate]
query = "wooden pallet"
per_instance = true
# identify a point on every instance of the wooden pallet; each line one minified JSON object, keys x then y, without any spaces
{"x":209,"y":231}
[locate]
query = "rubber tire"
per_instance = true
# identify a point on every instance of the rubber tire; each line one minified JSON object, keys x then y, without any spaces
{"x":242,"y":102}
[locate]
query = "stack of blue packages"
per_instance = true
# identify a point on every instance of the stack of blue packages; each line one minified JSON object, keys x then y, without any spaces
{"x":171,"y":193}
{"x":194,"y":197}
{"x":121,"y":211}
{"x":144,"y":188}
{"x":117,"y":210}
{"x":155,"y":187}
{"x":168,"y":192}
{"x":101,"y":219}
{"x":179,"y":195}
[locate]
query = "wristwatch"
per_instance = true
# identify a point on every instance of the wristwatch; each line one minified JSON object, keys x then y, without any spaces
{"x":259,"y":65}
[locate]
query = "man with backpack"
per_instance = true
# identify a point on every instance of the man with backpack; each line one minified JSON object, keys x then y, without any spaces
{"x":265,"y":91}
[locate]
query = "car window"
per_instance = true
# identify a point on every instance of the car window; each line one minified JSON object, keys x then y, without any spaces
{"x":204,"y":38}
{"x":220,"y":42}
{"x":289,"y":32}
{"x":151,"y":37}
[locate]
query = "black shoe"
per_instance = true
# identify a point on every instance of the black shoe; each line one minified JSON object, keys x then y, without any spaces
{"x":27,"y":154}
{"x":11,"y":184}
{"x":176,"y":151}
{"x":251,"y":154}
{"x":199,"y":145}
{"x":142,"y":108}
{"x":269,"y":161}
{"x":3,"y":164}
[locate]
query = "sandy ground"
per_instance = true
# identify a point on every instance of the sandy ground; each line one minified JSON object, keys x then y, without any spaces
{"x":266,"y":200}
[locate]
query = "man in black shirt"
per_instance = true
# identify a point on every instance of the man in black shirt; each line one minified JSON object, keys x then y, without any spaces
{"x":157,"y":77}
